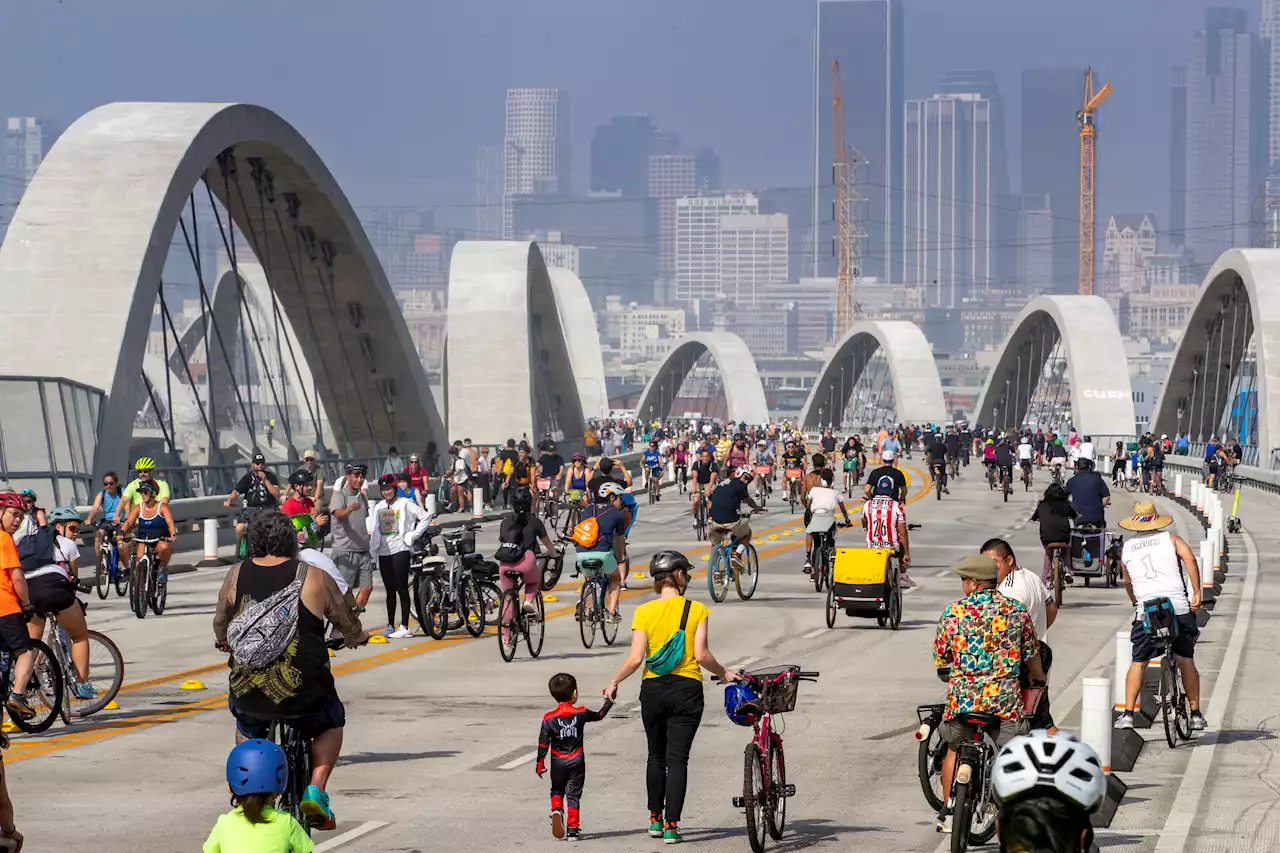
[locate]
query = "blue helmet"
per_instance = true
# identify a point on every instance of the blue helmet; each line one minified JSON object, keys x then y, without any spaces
{"x":257,"y":767}
{"x":741,"y":704}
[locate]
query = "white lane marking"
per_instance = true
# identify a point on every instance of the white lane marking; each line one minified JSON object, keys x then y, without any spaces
{"x":1177,"y":827}
{"x":351,"y":835}
{"x":943,"y":574}
{"x":743,"y":665}
{"x":812,"y":634}
{"x":516,"y":762}
{"x":911,"y":589}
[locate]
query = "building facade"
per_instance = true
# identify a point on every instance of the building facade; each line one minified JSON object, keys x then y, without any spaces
{"x":753,"y":257}
{"x":671,"y":176}
{"x":536,"y":151}
{"x":1158,"y":314}
{"x":1035,"y":244}
{"x":1178,"y":158}
{"x":620,"y":152}
{"x":1130,"y":240}
{"x":640,"y":332}
{"x":698,"y":241}
{"x":1051,"y":163}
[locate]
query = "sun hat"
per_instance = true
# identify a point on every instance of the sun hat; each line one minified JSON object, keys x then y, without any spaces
{"x":1145,"y":518}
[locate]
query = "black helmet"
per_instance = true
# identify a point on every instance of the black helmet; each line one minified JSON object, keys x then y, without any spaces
{"x":666,"y":562}
{"x":387,"y":481}
{"x":301,"y":477}
{"x":522,"y":500}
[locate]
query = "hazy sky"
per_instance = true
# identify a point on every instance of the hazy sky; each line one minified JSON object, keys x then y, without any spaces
{"x":397,"y":94}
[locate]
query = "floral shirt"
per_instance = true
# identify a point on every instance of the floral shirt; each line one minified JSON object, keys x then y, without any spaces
{"x":984,"y":639}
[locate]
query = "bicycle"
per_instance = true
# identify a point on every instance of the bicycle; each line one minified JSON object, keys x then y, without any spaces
{"x":727,"y":566}
{"x":764,"y":768}
{"x":551,"y":566}
{"x":653,"y":484}
{"x":682,"y":478}
{"x":590,"y":611}
{"x":973,"y":818}
{"x":1006,"y":484}
{"x":105,"y":674}
{"x":1162,"y":626}
{"x":793,"y":476}
{"x":851,"y":479}
{"x":1057,"y":569}
{"x":700,"y":517}
{"x":147,"y":586}
{"x":931,"y":752}
{"x":451,"y":601}
{"x":572,"y":514}
{"x":44,"y":691}
{"x":1026,"y":477}
{"x":107,"y":571}
{"x":762,"y":484}
{"x":550,"y":506}
{"x":515,"y":622}
{"x":824,"y":556}
{"x":937,"y":480}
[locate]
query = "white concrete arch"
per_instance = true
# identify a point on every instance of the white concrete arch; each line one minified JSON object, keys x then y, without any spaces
{"x":93,"y":232}
{"x":1247,"y":279}
{"x":1101,"y":395}
{"x":917,"y":389}
{"x":510,"y":374}
{"x":578,"y":320}
{"x":743,"y":391}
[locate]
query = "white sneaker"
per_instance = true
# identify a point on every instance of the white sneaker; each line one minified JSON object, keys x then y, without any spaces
{"x":401,"y":633}
{"x":905,"y":582}
{"x":1124,"y":720}
{"x":530,"y":607}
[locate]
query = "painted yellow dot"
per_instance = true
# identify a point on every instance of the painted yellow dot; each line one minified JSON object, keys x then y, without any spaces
{"x":798,"y":529}
{"x":113,"y":705}
{"x":773,"y":537}
{"x":549,"y":598}
{"x":378,"y":639}
{"x":9,"y":727}
{"x":706,"y":557}
{"x":332,"y":653}
{"x":786,"y":533}
{"x":193,"y":684}
{"x":757,"y":541}
{"x":639,"y":575}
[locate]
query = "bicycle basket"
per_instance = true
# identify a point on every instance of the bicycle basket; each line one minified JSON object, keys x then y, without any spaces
{"x":1159,"y":619}
{"x":779,"y":689}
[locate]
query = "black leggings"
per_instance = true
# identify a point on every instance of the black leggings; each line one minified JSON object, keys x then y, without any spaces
{"x":671,"y":709}
{"x":395,"y":577}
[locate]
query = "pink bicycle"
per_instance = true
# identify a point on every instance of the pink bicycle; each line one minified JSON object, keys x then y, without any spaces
{"x":764,"y":773}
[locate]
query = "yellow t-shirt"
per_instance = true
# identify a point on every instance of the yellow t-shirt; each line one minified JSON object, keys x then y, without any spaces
{"x":660,"y":619}
{"x":280,"y":834}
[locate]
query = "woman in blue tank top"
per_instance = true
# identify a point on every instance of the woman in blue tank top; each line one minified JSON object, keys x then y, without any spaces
{"x":108,"y":503}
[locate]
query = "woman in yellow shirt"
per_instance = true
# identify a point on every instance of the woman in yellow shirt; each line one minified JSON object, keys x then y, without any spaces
{"x":669,"y":638}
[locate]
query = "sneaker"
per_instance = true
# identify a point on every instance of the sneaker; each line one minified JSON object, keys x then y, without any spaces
{"x":1197,"y":721}
{"x":808,"y":567}
{"x":557,"y":824}
{"x":530,"y":607}
{"x":401,"y":633}
{"x":573,"y":833}
{"x":85,"y":691}
{"x":390,"y":630}
{"x":315,"y":806}
{"x":943,"y":824}
{"x":614,"y":618}
{"x":1125,"y":720}
{"x":671,"y":833}
{"x":655,"y":825}
{"x":18,"y":706}
{"x":1070,"y":579}
{"x":905,"y":581}
{"x":623,"y":585}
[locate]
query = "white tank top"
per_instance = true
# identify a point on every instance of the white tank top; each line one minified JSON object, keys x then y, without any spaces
{"x":1154,"y":570}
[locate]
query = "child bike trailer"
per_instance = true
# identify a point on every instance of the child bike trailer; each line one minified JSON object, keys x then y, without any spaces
{"x":865,"y":583}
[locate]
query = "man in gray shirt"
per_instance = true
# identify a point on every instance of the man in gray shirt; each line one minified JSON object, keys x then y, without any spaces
{"x":348,"y":509}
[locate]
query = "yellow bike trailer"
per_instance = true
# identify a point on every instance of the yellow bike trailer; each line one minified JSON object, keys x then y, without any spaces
{"x":865,"y":583}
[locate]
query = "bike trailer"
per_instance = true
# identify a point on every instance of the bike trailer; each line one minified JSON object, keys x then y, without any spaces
{"x":863,"y":580}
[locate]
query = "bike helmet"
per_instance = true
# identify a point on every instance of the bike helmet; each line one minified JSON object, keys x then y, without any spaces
{"x":666,"y":562}
{"x":353,"y":467}
{"x":257,"y":767}
{"x":887,"y":456}
{"x":608,"y":490}
{"x":741,"y":704}
{"x":301,"y":477}
{"x":1057,"y":764}
{"x":522,"y":500}
{"x":744,"y":471}
{"x":63,"y":513}
{"x":29,"y":494}
{"x":148,"y":487}
{"x":146,"y":463}
{"x":12,"y":500}
{"x":991,"y":441}
{"x":387,"y":481}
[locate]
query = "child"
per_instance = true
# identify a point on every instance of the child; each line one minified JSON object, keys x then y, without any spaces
{"x":1054,"y":514}
{"x":256,"y":774}
{"x":562,"y":735}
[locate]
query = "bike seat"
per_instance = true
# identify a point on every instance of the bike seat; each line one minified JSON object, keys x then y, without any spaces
{"x":978,"y":720}
{"x":514,"y":574}
{"x":594,"y":565}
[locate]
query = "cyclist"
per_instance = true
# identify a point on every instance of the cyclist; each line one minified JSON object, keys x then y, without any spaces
{"x":551,"y":467}
{"x":651,"y":461}
{"x":725,"y":516}
{"x":261,"y":491}
{"x":887,"y":469}
{"x":680,"y":462}
{"x":610,"y":547}
{"x":1054,"y":513}
{"x":257,"y":772}
{"x":1026,"y":458}
{"x":892,"y":444}
{"x":575,"y":478}
{"x":952,"y":440}
{"x":808,"y":482}
{"x":793,"y":459}
{"x":1026,"y":587}
{"x":301,"y":482}
{"x":885,"y":522}
{"x":311,"y":536}
{"x":1004,"y":461}
{"x":1057,"y":457}
{"x":936,"y":455}
{"x":107,"y":502}
{"x":821,"y":504}
{"x":1047,"y":785}
{"x":852,"y":454}
{"x":765,"y":457}
{"x":989,"y":457}
{"x":966,"y":442}
{"x":705,"y":473}
{"x":146,"y":473}
{"x":154,"y":520}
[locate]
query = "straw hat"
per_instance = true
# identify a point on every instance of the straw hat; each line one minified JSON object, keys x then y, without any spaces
{"x":1145,"y":518}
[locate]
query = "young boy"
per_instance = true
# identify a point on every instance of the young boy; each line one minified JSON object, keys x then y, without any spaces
{"x":563,"y":730}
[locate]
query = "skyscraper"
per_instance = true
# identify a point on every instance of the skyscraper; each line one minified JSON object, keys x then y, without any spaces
{"x":671,"y":176}
{"x":620,"y":153}
{"x":1226,"y":133}
{"x":1178,"y":158}
{"x":27,"y":141}
{"x":866,"y":36}
{"x":1051,"y":162}
{"x":1271,"y":49}
{"x":488,"y":193}
{"x":536,"y":151}
{"x":707,"y":170}
{"x":698,"y":241}
{"x":753,"y":257}
{"x":947,"y":195}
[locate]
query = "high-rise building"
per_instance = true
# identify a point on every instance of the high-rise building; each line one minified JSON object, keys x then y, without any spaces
{"x":706,"y":167}
{"x":753,"y":256}
{"x":1051,"y":162}
{"x":866,"y":36}
{"x":620,"y":154}
{"x":1271,"y":51}
{"x":796,"y":203}
{"x":1178,"y":158}
{"x":671,"y":176}
{"x":1035,"y":244}
{"x":1130,"y":240}
{"x":947,"y":205}
{"x":1226,"y":133}
{"x":27,"y":141}
{"x":536,"y":152}
{"x":488,"y":193}
{"x":698,"y":241}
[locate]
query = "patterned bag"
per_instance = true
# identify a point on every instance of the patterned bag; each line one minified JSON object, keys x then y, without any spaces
{"x":260,"y":633}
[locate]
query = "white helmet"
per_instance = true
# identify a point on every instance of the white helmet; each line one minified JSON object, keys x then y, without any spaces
{"x":1054,"y":764}
{"x":608,"y":490}
{"x":744,"y":471}
{"x":887,"y":456}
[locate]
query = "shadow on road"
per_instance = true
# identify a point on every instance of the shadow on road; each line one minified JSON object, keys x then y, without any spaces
{"x":388,"y":757}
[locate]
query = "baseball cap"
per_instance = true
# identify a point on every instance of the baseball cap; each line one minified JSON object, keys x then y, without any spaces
{"x":308,"y":454}
{"x":887,"y":456}
{"x":259,"y":459}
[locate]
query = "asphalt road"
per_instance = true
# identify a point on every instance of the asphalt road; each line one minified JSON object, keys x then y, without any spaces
{"x":440,"y":735}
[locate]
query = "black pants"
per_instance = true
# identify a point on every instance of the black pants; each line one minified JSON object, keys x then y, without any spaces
{"x":568,"y":776}
{"x":395,"y":577}
{"x":671,"y":709}
{"x":1043,"y":718}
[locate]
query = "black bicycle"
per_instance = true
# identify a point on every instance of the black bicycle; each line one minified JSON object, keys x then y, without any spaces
{"x":823,"y":560}
{"x":551,"y":566}
{"x":973,"y":819}
{"x":931,"y":752}
{"x":44,"y":694}
{"x":109,"y":570}
{"x":147,"y":583}
{"x":515,"y":622}
{"x":452,"y":598}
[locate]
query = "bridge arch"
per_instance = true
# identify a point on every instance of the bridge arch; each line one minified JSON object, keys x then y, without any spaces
{"x":582,"y":335}
{"x":1080,"y":334}
{"x":93,"y":231}
{"x":743,"y":391}
{"x":1225,"y":375}
{"x":916,"y":386}
{"x":510,"y":372}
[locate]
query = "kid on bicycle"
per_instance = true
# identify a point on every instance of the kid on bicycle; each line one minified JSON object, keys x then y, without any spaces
{"x":257,"y":773}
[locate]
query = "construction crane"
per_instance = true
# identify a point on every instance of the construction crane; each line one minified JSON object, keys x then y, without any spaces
{"x":1088,"y":164}
{"x":845,"y":162}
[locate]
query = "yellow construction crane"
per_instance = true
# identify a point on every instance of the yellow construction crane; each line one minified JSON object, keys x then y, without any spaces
{"x":844,"y":162}
{"x":1088,"y":164}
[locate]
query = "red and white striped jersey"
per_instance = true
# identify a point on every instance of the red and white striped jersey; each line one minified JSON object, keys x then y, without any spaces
{"x":883,"y":515}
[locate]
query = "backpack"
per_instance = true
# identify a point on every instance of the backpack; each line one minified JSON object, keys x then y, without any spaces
{"x":260,"y":633}
{"x":667,"y":658}
{"x":512,"y":552}
{"x":586,"y":533}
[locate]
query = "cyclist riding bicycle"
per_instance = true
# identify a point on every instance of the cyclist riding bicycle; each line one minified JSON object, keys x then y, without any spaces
{"x":153,"y":520}
{"x":260,"y":489}
{"x":1026,"y":456}
{"x":952,"y":440}
{"x":821,"y":504}
{"x":1046,"y":786}
{"x":652,"y":464}
{"x":575,"y":479}
{"x":885,"y":522}
{"x":1057,"y":457}
{"x":989,"y":456}
{"x":107,"y":502}
{"x":1004,"y":461}
{"x":765,"y":456}
{"x":725,"y":516}
{"x":680,"y":460}
{"x":705,"y":472}
{"x":146,"y":473}
{"x":936,"y":454}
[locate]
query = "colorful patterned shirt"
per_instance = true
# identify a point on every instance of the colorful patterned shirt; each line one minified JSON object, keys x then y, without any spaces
{"x":984,"y":639}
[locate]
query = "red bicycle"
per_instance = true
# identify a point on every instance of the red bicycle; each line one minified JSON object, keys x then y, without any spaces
{"x":764,"y":772}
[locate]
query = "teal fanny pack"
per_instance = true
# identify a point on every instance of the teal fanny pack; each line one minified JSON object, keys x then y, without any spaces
{"x":667,"y":658}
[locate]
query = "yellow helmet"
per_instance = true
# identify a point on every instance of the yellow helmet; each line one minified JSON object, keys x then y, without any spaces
{"x":146,"y":463}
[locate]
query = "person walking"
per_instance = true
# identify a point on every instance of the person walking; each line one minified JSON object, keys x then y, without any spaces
{"x":669,"y":638}
{"x":349,"y":509}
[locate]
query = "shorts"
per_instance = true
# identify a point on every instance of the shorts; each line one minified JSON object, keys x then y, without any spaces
{"x":13,"y":633}
{"x":608,"y":560}
{"x":1025,"y":464}
{"x":51,"y":593}
{"x":356,"y":568}
{"x":739,"y":530}
{"x":955,"y":733}
{"x":1184,"y":645}
{"x":331,"y":715}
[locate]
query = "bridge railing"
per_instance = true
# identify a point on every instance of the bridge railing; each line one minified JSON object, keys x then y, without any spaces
{"x":1247,"y":476}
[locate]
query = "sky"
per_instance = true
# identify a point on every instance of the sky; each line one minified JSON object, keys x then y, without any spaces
{"x":396,"y":95}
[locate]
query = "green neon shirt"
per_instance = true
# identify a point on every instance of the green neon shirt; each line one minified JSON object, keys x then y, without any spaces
{"x":280,"y":834}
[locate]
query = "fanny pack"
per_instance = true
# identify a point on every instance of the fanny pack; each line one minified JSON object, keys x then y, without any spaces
{"x":667,"y":658}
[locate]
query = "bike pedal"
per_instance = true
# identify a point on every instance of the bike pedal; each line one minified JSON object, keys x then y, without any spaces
{"x":739,"y":803}
{"x":788,"y":790}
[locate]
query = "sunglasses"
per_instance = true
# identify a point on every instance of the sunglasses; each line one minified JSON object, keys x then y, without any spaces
{"x":108,"y":483}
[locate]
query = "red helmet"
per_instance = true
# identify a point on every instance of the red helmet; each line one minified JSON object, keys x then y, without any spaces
{"x":387,"y":481}
{"x":12,"y":500}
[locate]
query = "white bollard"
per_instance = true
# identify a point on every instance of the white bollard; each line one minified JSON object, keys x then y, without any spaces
{"x":210,"y":527}
{"x":477,"y":502}
{"x":1177,"y":485}
{"x":1095,"y":719}
{"x":1197,"y":492}
{"x":1106,"y":465}
{"x":1206,"y":557}
{"x":1124,"y":654}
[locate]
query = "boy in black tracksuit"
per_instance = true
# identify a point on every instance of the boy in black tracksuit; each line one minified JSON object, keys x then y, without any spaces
{"x":562,"y":734}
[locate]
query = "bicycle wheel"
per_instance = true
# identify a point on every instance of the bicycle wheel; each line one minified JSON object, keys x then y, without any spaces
{"x":138,"y":587}
{"x":106,"y":675}
{"x":552,"y":568}
{"x":1181,"y":709}
{"x":700,"y":521}
{"x":160,"y":595}
{"x":748,"y":574}
{"x":608,"y":630}
{"x":819,"y":563}
{"x":1005,"y":488}
{"x":509,"y":625}
{"x":471,"y":607}
{"x":102,"y":571}
{"x":1057,"y":577}
{"x":753,"y":796}
{"x":437,"y":613}
{"x":929,"y":757}
{"x":776,"y":814}
{"x":832,"y":609}
{"x":718,"y":573}
{"x":895,"y":608}
{"x":44,"y":691}
{"x":961,"y":816}
{"x":123,"y":571}
{"x":535,"y":628}
{"x":937,"y":487}
{"x":587,"y":601}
